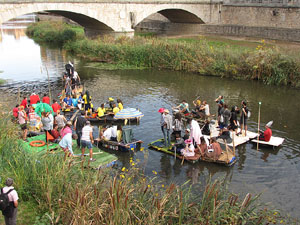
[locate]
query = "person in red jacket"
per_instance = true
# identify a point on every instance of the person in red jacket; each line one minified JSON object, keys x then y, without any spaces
{"x":34,"y":98}
{"x":24,"y":102}
{"x":266,"y":136}
{"x":16,"y":111}
{"x":46,"y":99}
{"x":55,"y":106}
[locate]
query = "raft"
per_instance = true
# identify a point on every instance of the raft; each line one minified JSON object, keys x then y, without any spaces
{"x":119,"y":146}
{"x":103,"y":159}
{"x":110,"y":119}
{"x":274,"y":141}
{"x":226,"y":159}
{"x":159,"y":145}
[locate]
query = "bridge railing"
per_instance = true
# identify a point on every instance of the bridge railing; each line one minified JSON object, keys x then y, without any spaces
{"x":265,"y":3}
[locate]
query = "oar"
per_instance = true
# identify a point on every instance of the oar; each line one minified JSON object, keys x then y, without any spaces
{"x":182,"y":160}
{"x":259,"y":104}
{"x":196,"y":98}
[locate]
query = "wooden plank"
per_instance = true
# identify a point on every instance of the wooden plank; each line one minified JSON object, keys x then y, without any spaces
{"x":274,"y":141}
{"x":238,"y":140}
{"x":72,"y":118}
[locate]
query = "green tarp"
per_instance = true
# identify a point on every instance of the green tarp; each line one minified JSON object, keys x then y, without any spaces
{"x":102,"y":158}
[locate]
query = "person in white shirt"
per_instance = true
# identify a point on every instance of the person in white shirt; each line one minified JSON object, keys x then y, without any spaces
{"x":110,"y":133}
{"x":66,"y":144}
{"x":113,"y":133}
{"x":10,"y":214}
{"x":87,"y":139}
{"x":205,"y":107}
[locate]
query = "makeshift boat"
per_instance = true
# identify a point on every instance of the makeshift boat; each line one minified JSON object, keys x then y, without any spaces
{"x":274,"y":142}
{"x":127,"y":143}
{"x":227,"y":158}
{"x":102,"y":158}
{"x":159,"y":145}
{"x":232,"y":137}
{"x":108,"y":118}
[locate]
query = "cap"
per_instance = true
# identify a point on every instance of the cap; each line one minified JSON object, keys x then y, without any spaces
{"x":188,"y":141}
{"x":166,"y":111}
{"x":161,"y":110}
{"x":110,"y":99}
{"x":269,"y":124}
{"x":188,"y":130}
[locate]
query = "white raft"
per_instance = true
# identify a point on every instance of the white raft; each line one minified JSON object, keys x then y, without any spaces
{"x":274,"y":141}
{"x":238,"y":140}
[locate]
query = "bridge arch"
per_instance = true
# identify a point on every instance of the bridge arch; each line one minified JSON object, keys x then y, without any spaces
{"x":87,"y":18}
{"x":176,"y":14}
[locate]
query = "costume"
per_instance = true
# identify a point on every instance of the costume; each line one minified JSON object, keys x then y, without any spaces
{"x":196,"y":133}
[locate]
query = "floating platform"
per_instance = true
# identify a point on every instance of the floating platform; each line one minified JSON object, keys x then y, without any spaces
{"x":238,"y":139}
{"x":110,"y":119}
{"x":159,"y":145}
{"x":226,"y":158}
{"x":119,"y":146}
{"x":103,"y":159}
{"x":274,"y":141}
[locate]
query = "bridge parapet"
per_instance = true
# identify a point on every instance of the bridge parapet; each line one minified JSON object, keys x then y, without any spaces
{"x":115,"y":1}
{"x":264,"y":3}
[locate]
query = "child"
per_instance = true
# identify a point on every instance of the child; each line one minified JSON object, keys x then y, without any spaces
{"x":179,"y":143}
{"x":189,"y":149}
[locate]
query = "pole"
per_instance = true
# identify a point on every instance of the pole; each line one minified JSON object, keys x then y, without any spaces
{"x":259,"y":104}
{"x":233,"y":144}
{"x":19,"y":96}
{"x":49,"y":86}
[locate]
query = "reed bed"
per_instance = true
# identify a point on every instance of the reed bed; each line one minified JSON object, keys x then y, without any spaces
{"x":265,"y":63}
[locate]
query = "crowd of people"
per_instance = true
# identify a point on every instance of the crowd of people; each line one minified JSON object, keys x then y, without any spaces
{"x":193,"y":141}
{"x":54,"y":124}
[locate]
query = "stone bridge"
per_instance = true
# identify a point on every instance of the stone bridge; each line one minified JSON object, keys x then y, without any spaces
{"x":117,"y":16}
{"x":273,"y":19}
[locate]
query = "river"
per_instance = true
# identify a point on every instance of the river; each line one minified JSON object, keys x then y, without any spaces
{"x":274,"y":173}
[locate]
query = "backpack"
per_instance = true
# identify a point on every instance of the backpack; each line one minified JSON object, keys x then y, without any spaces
{"x":4,"y":201}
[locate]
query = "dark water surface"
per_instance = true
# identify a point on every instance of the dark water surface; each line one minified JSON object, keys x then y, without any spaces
{"x":275,"y":173}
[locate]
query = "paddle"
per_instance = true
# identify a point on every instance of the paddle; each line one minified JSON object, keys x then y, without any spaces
{"x":182,"y":160}
{"x":259,"y":104}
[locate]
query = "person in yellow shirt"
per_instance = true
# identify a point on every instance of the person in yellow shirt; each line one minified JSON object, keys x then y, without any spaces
{"x":115,"y":109}
{"x":87,"y":102}
{"x":101,"y":111}
{"x":119,"y":133}
{"x":120,"y":104}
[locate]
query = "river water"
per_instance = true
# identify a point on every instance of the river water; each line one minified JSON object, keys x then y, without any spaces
{"x":274,"y":173}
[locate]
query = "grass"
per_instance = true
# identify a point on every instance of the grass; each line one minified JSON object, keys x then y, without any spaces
{"x":54,"y":191}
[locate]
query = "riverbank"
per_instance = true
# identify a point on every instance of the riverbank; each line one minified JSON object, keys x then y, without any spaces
{"x":266,"y":63}
{"x":63,"y":193}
